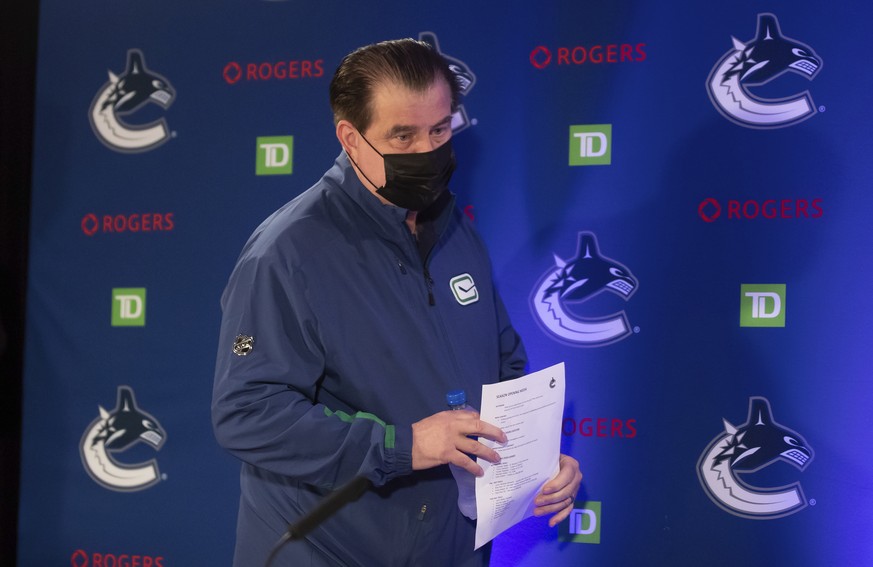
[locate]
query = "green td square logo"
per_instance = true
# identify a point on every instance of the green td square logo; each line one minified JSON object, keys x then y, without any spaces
{"x":591,"y":144}
{"x":583,"y":524}
{"x":275,"y":155}
{"x":762,"y":305}
{"x":128,"y":306}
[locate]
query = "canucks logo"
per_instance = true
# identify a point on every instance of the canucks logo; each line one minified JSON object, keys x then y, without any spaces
{"x":124,"y":95}
{"x":754,"y":63}
{"x":463,"y":76}
{"x":574,"y":281}
{"x":756,"y":444}
{"x":115,"y":432}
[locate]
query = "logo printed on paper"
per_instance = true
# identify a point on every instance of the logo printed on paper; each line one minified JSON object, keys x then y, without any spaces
{"x":762,"y":305}
{"x":464,"y":289}
{"x":757,"y":62}
{"x":275,"y":155}
{"x":124,"y":95}
{"x":591,"y":144}
{"x":464,"y":77}
{"x":583,"y":523}
{"x":128,"y":306}
{"x":115,"y":432}
{"x":758,"y":443}
{"x":575,"y":281}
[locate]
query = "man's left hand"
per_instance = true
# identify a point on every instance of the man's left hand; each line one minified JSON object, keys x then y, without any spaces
{"x":559,"y":494}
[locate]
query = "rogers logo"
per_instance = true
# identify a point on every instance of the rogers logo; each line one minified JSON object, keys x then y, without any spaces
{"x":136,"y":222}
{"x":541,"y":56}
{"x":710,"y":209}
{"x":599,"y":427}
{"x":279,"y":70}
{"x":82,"y":558}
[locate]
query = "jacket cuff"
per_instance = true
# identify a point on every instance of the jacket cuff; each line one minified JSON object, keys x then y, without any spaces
{"x":402,"y":451}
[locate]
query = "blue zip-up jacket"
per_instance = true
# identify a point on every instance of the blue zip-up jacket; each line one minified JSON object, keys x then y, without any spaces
{"x":356,"y":333}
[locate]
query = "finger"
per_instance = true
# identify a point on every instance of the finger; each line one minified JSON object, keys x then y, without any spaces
{"x":549,"y":506}
{"x":561,"y":481}
{"x":560,"y":516}
{"x":558,"y":490}
{"x":565,"y":493}
{"x":468,"y":423}
{"x":479,"y":428}
{"x":475,"y":448}
{"x":554,"y":507}
{"x":556,"y":498}
{"x":467,"y":413}
{"x":569,"y":475}
{"x":468,"y":464}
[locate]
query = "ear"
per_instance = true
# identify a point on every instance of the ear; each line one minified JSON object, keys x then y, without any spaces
{"x":348,"y":137}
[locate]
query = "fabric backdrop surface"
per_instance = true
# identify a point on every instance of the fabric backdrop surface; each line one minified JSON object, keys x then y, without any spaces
{"x":676,"y":197}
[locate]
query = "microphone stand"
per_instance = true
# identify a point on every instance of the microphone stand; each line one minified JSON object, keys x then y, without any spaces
{"x":331,"y":504}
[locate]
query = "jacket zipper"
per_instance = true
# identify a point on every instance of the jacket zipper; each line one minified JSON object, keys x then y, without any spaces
{"x":428,"y":281}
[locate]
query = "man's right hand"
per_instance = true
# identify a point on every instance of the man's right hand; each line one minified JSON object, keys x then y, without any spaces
{"x":445,"y":438}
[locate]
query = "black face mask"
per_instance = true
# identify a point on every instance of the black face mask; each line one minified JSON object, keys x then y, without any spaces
{"x":414,"y":181}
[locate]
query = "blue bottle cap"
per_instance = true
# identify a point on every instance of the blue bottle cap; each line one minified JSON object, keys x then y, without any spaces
{"x":456,"y":398}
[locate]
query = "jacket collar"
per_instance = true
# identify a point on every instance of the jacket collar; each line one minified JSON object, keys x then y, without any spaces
{"x":387,"y":217}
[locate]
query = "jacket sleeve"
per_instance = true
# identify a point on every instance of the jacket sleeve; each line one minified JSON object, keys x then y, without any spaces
{"x":263,"y":408}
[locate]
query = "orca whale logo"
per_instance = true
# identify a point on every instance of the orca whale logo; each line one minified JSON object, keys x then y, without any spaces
{"x":463,"y":76}
{"x":575,"y":281}
{"x":756,"y":62}
{"x":115,"y":432}
{"x":756,"y":444}
{"x":124,"y":95}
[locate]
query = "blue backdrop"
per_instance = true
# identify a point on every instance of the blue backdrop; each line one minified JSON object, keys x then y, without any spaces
{"x":694,"y":177}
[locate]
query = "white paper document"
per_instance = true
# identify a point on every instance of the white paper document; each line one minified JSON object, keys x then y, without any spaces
{"x":529,"y":411}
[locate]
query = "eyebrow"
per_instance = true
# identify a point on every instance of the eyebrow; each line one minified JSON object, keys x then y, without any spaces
{"x":399,"y":129}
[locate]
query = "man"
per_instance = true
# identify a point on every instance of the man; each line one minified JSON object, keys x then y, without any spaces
{"x":341,"y":336}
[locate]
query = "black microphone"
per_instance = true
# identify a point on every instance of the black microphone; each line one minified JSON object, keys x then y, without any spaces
{"x":331,"y":504}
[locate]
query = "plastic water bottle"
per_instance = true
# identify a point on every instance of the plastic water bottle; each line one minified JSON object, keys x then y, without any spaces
{"x":457,"y":400}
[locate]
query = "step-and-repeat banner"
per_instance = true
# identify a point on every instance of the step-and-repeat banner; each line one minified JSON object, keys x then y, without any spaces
{"x":677,"y":199}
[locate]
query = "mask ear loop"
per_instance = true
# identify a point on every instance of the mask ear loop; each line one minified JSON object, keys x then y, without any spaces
{"x":358,"y":167}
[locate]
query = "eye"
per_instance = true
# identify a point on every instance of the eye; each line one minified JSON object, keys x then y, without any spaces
{"x":791,"y":441}
{"x":401,"y":141}
{"x":441,"y":133}
{"x":799,"y":52}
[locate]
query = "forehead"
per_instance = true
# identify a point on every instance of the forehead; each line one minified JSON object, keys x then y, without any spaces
{"x":396,"y":105}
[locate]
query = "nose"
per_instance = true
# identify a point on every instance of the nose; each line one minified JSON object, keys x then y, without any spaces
{"x":428,"y":144}
{"x":425,"y":145}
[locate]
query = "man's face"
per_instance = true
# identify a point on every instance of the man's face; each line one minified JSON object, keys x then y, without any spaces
{"x":404,"y":121}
